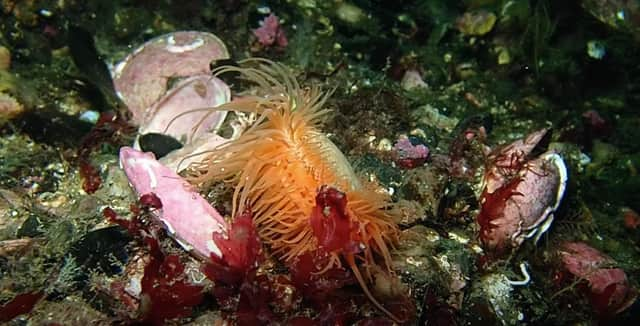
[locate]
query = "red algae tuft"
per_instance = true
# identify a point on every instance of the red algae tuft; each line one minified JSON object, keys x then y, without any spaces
{"x":241,"y":247}
{"x":409,"y":156}
{"x":331,"y":223}
{"x":109,"y":129}
{"x":165,"y":292}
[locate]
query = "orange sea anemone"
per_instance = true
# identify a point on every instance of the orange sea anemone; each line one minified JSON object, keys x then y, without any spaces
{"x":281,"y":162}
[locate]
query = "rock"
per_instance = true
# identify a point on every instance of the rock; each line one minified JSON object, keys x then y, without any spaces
{"x":424,"y":186}
{"x":72,"y":310}
{"x":102,"y":250}
{"x":413,"y":259}
{"x":431,"y":116}
{"x":10,"y":202}
{"x":491,"y":301}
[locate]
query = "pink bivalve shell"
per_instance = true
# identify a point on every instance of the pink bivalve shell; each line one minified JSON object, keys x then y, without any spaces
{"x":520,"y":195}
{"x":141,"y":79}
{"x":187,"y":216}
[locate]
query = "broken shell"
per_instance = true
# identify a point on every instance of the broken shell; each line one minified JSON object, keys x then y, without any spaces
{"x":412,"y":80}
{"x":16,"y":246}
{"x":476,"y":23}
{"x":177,"y":114}
{"x":193,"y":152}
{"x":142,"y":77}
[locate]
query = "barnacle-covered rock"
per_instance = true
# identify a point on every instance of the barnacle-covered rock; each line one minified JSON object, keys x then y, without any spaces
{"x":493,"y":302}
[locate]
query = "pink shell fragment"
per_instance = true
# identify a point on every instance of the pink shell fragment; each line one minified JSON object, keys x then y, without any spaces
{"x":142,"y":77}
{"x":203,"y":91}
{"x":188,"y":217}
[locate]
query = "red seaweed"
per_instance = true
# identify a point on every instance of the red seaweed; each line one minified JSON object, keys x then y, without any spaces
{"x":331,"y":224}
{"x":165,"y":292}
{"x":91,"y":179}
{"x":110,"y":129}
{"x":317,"y":287}
{"x":241,"y":248}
